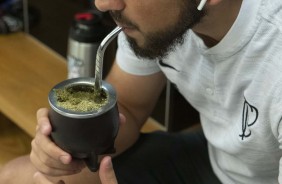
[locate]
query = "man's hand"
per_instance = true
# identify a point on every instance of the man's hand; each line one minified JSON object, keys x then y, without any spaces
{"x":106,"y":173}
{"x":46,"y":156}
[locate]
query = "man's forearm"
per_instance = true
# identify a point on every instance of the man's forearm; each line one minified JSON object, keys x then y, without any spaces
{"x":128,"y":132}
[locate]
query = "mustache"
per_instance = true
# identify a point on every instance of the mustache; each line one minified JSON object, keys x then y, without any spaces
{"x":118,"y":17}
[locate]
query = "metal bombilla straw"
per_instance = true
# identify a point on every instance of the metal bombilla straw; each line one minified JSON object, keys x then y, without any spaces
{"x":100,"y":57}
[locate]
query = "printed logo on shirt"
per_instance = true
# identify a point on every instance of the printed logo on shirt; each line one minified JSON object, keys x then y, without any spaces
{"x":249,"y":118}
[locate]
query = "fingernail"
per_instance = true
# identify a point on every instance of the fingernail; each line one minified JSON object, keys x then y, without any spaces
{"x":44,"y":128}
{"x":65,"y":159}
{"x":109,"y":164}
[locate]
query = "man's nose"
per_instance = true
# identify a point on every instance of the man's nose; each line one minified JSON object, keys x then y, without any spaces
{"x":109,"y":5}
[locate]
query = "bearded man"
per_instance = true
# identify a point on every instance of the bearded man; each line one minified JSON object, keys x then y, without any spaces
{"x":224,"y":57}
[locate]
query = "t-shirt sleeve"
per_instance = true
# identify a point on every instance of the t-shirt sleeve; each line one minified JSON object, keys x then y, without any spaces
{"x":130,"y":63}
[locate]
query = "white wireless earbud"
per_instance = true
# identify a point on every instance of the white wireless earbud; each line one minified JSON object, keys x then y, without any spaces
{"x":201,"y":5}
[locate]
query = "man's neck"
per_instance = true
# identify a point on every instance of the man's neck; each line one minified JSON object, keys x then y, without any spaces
{"x":218,"y":21}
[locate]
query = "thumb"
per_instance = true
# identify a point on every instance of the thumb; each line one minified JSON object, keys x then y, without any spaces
{"x":106,"y":172}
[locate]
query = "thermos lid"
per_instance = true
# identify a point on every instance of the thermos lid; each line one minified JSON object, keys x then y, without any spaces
{"x":87,"y":27}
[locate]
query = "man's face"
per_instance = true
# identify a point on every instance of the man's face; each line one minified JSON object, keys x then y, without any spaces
{"x":155,"y":27}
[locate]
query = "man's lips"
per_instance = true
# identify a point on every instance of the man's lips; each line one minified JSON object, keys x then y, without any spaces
{"x":129,"y":30}
{"x":125,"y":27}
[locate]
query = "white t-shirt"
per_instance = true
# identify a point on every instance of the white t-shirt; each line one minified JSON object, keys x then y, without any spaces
{"x":237,"y":88}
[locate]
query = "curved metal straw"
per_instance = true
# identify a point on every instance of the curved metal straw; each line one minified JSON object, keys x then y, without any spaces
{"x":100,"y":56}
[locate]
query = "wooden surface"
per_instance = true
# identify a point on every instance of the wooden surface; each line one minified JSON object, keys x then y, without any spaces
{"x":152,"y":125}
{"x":14,"y":142}
{"x":28,"y":70}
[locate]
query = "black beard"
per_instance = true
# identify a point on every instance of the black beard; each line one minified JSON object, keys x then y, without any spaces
{"x":159,"y":44}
